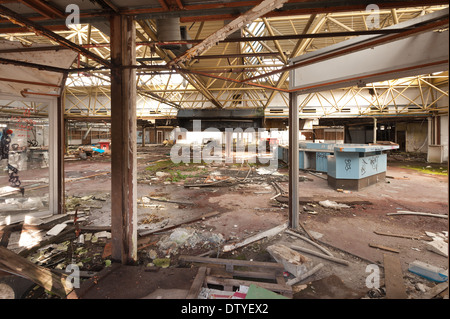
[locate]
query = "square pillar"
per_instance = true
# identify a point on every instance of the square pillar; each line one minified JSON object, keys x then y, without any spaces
{"x":123,"y":140}
{"x":293,"y":161}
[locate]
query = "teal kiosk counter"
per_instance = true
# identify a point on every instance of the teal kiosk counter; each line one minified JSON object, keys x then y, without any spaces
{"x":348,"y":166}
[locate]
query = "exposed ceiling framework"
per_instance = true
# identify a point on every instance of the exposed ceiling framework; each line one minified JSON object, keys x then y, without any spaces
{"x":247,"y":69}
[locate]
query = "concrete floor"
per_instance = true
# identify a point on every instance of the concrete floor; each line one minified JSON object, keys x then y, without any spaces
{"x":247,"y":208}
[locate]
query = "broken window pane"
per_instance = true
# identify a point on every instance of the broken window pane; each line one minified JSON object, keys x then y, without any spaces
{"x":24,"y":164}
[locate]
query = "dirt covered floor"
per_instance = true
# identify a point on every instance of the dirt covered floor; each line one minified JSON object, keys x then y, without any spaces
{"x":198,"y":209}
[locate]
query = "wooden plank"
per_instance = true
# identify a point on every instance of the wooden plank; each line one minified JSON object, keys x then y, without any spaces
{"x":396,"y":235}
{"x":404,"y":212}
{"x":258,"y":274}
{"x":197,"y":284}
{"x":146,"y":232}
{"x":314,"y":253}
{"x":384,"y":248}
{"x":232,"y":262}
{"x":13,"y":263}
{"x":5,"y":233}
{"x":268,"y":233}
{"x":393,"y":278}
{"x":237,"y":282}
{"x":436,"y":290}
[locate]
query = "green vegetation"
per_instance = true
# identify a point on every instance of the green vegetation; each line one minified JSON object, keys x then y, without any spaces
{"x":162,"y":165}
{"x":428,"y":169}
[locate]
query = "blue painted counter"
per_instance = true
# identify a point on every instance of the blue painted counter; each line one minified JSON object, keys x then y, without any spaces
{"x":342,"y":162}
{"x":354,"y":161}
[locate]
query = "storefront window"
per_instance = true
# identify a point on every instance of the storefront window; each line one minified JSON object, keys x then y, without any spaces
{"x":25,"y":160}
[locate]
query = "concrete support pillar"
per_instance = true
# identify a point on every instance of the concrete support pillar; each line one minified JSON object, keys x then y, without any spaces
{"x":293,"y":160}
{"x":62,"y":137}
{"x":123,"y":138}
{"x":430,"y":131}
{"x":374,"y":130}
{"x":143,"y":136}
{"x":228,"y":146}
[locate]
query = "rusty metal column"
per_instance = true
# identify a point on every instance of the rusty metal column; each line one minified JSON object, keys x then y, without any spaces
{"x":61,"y":150}
{"x":123,"y":140}
{"x":293,"y":161}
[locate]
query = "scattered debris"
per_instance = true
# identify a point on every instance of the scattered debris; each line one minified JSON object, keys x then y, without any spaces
{"x":428,"y":271}
{"x":161,"y":262}
{"x":268,"y":233}
{"x":332,"y":204}
{"x":396,"y":235}
{"x":270,"y":270}
{"x":314,"y":253}
{"x":148,"y":199}
{"x":305,"y":275}
{"x":292,"y":261}
{"x":326,"y":251}
{"x":439,"y":244}
{"x":189,"y":238}
{"x":436,"y":290}
{"x":159,"y":228}
{"x":417,"y":214}
{"x":56,"y":229}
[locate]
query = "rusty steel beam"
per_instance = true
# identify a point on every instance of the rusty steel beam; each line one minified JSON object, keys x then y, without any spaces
{"x":13,"y":30}
{"x":29,"y":82}
{"x":33,"y":65}
{"x":221,"y":34}
{"x":231,"y":10}
{"x":365,"y":45}
{"x":40,"y":30}
{"x":44,"y":8}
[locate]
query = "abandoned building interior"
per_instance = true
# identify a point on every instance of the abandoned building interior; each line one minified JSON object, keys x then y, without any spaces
{"x":238,"y":149}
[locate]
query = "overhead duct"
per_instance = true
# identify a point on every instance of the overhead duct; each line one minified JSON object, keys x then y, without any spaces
{"x":169,"y":31}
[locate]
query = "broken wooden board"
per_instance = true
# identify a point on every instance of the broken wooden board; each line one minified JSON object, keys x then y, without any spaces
{"x":436,"y":290}
{"x":323,"y":256}
{"x":226,"y":282}
{"x":231,"y":263}
{"x":351,"y":201}
{"x":13,"y":263}
{"x":393,"y":278}
{"x":145,"y":232}
{"x":268,"y":233}
{"x":197,"y":284}
{"x":384,"y":248}
{"x":404,"y":212}
{"x":311,"y":272}
{"x":397,"y":235}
